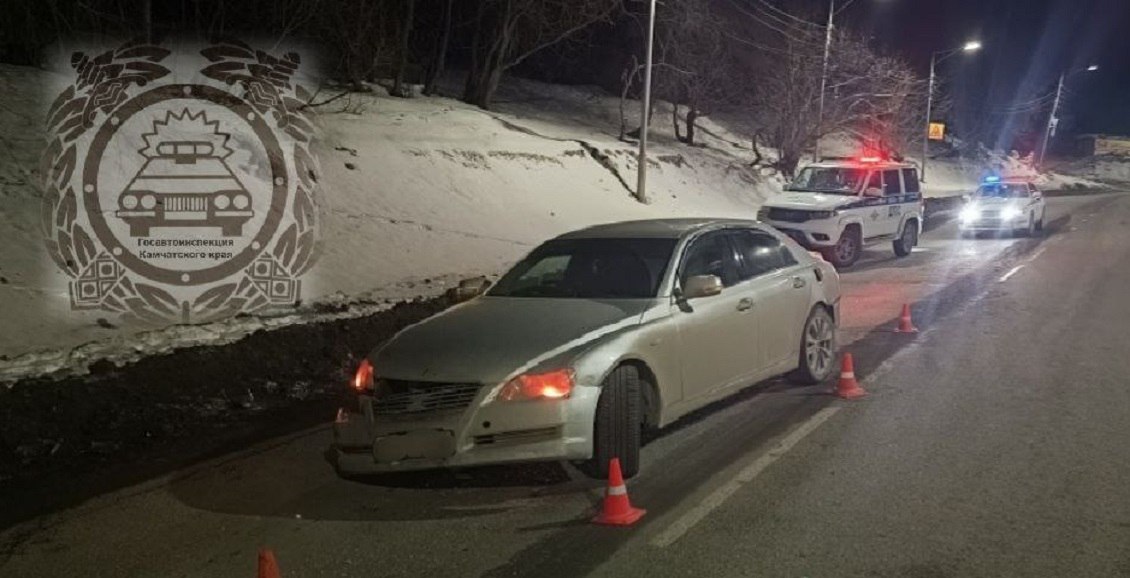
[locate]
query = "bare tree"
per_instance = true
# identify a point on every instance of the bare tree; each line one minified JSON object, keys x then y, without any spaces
{"x":869,"y":96}
{"x":507,"y":32}
{"x":405,"y":44}
{"x":439,"y":53}
{"x":699,"y":71}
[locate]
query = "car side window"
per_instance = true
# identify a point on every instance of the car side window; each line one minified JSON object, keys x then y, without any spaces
{"x":876,"y":181}
{"x":760,"y":253}
{"x":910,"y":180}
{"x":710,"y":254}
{"x":891,"y":185}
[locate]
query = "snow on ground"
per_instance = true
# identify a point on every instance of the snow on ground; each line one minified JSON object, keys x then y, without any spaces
{"x":416,"y":194}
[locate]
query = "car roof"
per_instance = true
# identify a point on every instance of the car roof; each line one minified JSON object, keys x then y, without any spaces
{"x":653,"y":228}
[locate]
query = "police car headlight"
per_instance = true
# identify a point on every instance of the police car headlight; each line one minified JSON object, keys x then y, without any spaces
{"x":1010,"y":213}
{"x":822,"y":214}
{"x":969,"y":214}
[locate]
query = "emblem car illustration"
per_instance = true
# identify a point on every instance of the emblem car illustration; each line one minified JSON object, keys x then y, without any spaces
{"x":186,"y":184}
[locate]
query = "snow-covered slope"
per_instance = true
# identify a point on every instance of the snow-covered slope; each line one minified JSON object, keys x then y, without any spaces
{"x":416,"y":194}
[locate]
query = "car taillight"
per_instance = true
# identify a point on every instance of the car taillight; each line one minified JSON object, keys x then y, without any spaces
{"x":551,"y":385}
{"x":363,"y":379}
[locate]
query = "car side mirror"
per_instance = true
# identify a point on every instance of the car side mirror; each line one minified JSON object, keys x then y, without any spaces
{"x":873,"y":192}
{"x":702,"y":286}
{"x":469,"y":289}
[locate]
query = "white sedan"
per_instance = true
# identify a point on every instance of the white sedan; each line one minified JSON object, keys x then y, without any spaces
{"x":1004,"y":205}
{"x":594,"y":335}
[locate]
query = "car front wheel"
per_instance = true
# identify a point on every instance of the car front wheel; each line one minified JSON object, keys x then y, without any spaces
{"x":846,"y":251}
{"x":616,"y":431}
{"x":817,"y":348}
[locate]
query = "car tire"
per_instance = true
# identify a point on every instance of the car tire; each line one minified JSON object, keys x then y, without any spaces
{"x":818,"y":327}
{"x":617,"y":427}
{"x":847,"y":249}
{"x":908,"y":240}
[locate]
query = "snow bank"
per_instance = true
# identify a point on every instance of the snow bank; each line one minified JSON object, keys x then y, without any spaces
{"x":416,"y":194}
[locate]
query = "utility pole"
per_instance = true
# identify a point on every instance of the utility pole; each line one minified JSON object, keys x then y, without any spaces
{"x":929,"y":112}
{"x":1052,"y":121}
{"x":971,"y":46}
{"x":641,"y":178}
{"x":824,"y":75}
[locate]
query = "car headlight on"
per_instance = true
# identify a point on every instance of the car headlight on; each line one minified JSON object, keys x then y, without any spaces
{"x":969,"y":214}
{"x":221,"y":201}
{"x":556,"y":384}
{"x":363,"y":379}
{"x":1010,"y":213}
{"x":817,"y":215}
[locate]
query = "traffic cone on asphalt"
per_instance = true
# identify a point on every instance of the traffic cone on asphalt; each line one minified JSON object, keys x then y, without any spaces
{"x":848,"y":387}
{"x":617,"y":509}
{"x":906,"y":325}
{"x":268,"y":567}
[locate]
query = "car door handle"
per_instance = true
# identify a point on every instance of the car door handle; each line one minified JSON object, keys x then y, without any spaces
{"x":799,"y":282}
{"x":745,"y":304}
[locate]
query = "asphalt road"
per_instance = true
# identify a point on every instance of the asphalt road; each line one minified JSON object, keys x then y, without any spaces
{"x":996,"y":442}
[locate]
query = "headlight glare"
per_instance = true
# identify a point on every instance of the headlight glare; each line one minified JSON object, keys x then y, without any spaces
{"x":1009,"y":213}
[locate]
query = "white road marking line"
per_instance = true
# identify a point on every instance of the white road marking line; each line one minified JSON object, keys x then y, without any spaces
{"x":1010,"y":273}
{"x":1017,"y":268}
{"x":746,"y":475}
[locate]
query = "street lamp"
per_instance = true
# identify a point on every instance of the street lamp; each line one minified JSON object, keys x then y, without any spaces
{"x":641,"y":160}
{"x":971,"y":46}
{"x":1052,"y":120}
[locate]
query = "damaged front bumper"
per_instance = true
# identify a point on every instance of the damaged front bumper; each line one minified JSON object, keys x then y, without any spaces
{"x":488,"y":431}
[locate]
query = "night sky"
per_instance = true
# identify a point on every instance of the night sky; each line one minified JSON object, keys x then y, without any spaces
{"x":1028,"y":43}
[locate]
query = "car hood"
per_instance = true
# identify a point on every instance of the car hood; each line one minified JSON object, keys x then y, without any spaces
{"x":487,"y":339}
{"x":810,"y":201}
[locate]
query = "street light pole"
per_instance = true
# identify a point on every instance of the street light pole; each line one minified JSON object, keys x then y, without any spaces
{"x":824,"y":75}
{"x":929,"y":112}
{"x":641,"y":177}
{"x":971,"y":46}
{"x":1051,"y":119}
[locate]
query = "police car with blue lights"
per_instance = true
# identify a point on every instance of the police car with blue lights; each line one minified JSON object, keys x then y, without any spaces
{"x":838,"y":207}
{"x":1004,"y":205}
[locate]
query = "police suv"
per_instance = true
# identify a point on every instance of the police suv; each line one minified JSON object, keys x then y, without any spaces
{"x":838,"y":207}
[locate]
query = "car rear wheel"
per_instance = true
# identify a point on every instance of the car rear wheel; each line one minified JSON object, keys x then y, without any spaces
{"x":616,"y":431}
{"x":846,"y":251}
{"x":817,"y":348}
{"x":908,"y":240}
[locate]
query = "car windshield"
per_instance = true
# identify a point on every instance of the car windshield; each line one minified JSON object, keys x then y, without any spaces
{"x":589,"y":269}
{"x":841,"y":181}
{"x":1002,"y":191}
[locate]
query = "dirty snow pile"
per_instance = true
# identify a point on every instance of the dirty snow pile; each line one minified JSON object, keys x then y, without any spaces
{"x":416,"y":194}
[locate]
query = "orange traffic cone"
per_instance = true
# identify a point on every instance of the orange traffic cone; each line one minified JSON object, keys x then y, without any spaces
{"x":617,"y":509}
{"x":848,"y":388}
{"x":268,"y":567}
{"x":906,"y":325}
